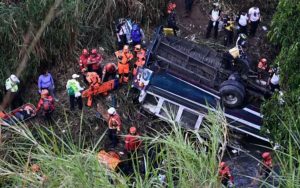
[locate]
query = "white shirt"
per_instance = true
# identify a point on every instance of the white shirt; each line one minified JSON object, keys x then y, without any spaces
{"x":254,"y":14}
{"x":215,"y":14}
{"x":243,"y":20}
{"x":275,"y":79}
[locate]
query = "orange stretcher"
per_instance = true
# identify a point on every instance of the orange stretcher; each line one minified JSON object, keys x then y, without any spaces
{"x":7,"y":117}
{"x":109,"y":159}
{"x":99,"y":89}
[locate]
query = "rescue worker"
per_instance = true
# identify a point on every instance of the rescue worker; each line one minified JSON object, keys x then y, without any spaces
{"x":109,"y":72}
{"x":254,"y":19}
{"x":46,"y":104}
{"x":228,"y":28}
{"x":114,"y":126}
{"x":12,"y":89}
{"x":262,"y":67}
{"x":93,"y":79}
{"x":214,"y":18}
{"x":171,"y":7}
{"x":74,"y":91}
{"x":83,"y":60}
{"x":138,"y":64}
{"x":94,"y":62}
{"x":46,"y":82}
{"x":124,"y":58}
{"x":140,"y":53}
{"x":132,"y":141}
{"x":225,"y":175}
{"x":267,"y":164}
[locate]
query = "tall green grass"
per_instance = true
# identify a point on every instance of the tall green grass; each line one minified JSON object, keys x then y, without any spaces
{"x":186,"y":158}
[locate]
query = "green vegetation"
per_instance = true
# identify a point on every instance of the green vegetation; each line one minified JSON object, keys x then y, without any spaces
{"x":186,"y":161}
{"x":283,"y":120}
{"x":76,"y":24}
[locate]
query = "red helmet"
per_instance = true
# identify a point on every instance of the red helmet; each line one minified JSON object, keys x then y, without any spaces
{"x":266,"y":155}
{"x":94,"y":51}
{"x":110,"y":67}
{"x":222,"y":165}
{"x":85,"y":52}
{"x":132,"y":130}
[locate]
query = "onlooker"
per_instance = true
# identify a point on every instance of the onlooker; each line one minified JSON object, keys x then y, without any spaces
{"x":214,"y":16}
{"x":243,"y":23}
{"x":74,"y":91}
{"x":137,"y":34}
{"x":172,"y":22}
{"x":123,"y":33}
{"x":274,"y":79}
{"x":254,"y":18}
{"x":12,"y":89}
{"x":46,"y":82}
{"x":228,"y":28}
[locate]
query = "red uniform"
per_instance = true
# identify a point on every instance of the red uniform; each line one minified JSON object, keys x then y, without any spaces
{"x":132,"y":142}
{"x":46,"y":104}
{"x":225,"y":175}
{"x":171,"y":7}
{"x":114,"y":122}
{"x":83,"y":61}
{"x":95,"y":61}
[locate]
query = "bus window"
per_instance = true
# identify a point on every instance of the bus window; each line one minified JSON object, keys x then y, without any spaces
{"x":169,"y":110}
{"x":188,"y":119}
{"x":150,"y":103}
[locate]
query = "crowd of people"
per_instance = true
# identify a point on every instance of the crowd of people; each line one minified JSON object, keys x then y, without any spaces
{"x":129,"y":57}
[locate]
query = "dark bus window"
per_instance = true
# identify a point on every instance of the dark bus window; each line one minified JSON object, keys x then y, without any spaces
{"x":188,"y":119}
{"x":150,"y":103}
{"x":169,"y":110}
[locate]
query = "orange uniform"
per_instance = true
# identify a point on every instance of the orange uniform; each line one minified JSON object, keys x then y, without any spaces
{"x":93,"y":78}
{"x":114,"y":122}
{"x":124,"y":58}
{"x":138,"y":63}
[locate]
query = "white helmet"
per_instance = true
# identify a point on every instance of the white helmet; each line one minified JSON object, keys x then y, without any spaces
{"x":111,"y":111}
{"x":14,"y":78}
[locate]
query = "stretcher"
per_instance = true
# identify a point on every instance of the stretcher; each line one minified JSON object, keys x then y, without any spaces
{"x":8,"y":118}
{"x":99,"y":89}
{"x":109,"y":159}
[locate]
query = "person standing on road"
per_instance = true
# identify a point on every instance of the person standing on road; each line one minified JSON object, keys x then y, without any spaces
{"x":46,"y":82}
{"x":254,"y":19}
{"x":214,"y":18}
{"x":74,"y":91}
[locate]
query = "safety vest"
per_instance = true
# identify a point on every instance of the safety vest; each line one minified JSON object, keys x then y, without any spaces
{"x":72,"y":86}
{"x":114,"y":122}
{"x":141,"y":54}
{"x":229,"y":26}
{"x":10,"y":85}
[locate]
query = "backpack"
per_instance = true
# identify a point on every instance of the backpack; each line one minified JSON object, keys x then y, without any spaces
{"x":71,"y":91}
{"x":136,"y":35}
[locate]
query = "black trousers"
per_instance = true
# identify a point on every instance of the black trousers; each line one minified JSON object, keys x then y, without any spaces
{"x":253,"y":27}
{"x":210,"y":27}
{"x":228,"y":39}
{"x":109,"y":76}
{"x":75,"y":100}
{"x":243,"y":29}
{"x":122,"y":42}
{"x":188,"y":5}
{"x":113,"y":137}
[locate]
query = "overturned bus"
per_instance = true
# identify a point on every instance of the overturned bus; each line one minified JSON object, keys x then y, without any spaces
{"x":189,"y":79}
